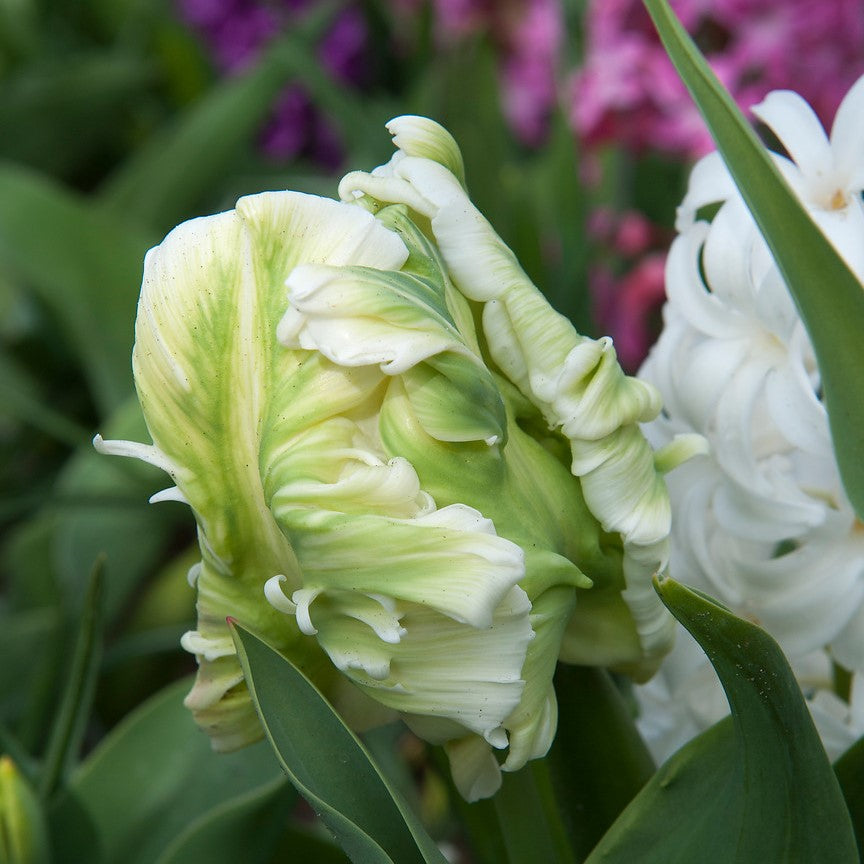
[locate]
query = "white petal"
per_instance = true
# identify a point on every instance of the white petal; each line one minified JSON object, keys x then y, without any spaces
{"x":709,"y":183}
{"x":795,"y":123}
{"x":847,"y":137}
{"x":420,"y":136}
{"x":475,"y":770}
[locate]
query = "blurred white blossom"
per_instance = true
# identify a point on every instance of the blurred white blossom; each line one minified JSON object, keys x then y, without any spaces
{"x":762,"y":522}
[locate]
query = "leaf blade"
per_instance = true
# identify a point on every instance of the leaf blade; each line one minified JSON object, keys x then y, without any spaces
{"x":149,"y":779}
{"x":327,"y":763}
{"x":757,"y":786}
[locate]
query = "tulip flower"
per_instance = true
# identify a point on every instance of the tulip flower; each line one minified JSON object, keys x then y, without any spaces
{"x":410,"y":475}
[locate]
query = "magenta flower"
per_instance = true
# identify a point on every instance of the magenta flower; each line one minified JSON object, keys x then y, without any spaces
{"x":628,"y":93}
{"x":528,"y":71}
{"x":527,"y":35}
{"x":627,"y":306}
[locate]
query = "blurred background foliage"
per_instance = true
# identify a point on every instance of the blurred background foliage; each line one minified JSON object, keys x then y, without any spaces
{"x":120,"y":118}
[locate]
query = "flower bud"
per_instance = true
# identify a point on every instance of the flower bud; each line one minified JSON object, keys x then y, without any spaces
{"x":410,"y":475}
{"x":23,"y":833}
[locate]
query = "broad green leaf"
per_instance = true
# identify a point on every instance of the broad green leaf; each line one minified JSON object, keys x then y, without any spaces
{"x":328,"y":764}
{"x":598,"y":760}
{"x":829,"y":297}
{"x":162,"y":182}
{"x":20,"y":400}
{"x":73,"y":712}
{"x":147,"y":783}
{"x":83,"y":97}
{"x":245,"y":828}
{"x":755,"y":787}
{"x":849,"y":769}
{"x":307,"y":844}
{"x":85,"y":267}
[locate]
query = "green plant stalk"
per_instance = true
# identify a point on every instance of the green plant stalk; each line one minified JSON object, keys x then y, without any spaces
{"x":529,"y":819}
{"x":68,"y":729}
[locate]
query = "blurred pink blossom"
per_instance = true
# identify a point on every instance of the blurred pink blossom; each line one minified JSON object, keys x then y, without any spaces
{"x":627,"y":91}
{"x":627,"y":307}
{"x":528,"y":70}
{"x":527,"y":34}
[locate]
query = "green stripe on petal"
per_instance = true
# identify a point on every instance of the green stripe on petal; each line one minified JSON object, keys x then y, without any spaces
{"x":455,"y":400}
{"x":213,"y":381}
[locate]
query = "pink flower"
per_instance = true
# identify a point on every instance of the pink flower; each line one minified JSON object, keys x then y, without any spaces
{"x":528,"y":72}
{"x":527,"y":35}
{"x":628,"y":309}
{"x":627,"y":91}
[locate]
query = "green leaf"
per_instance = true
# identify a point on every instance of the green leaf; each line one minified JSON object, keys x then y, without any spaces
{"x":84,"y":266}
{"x":755,"y":787}
{"x":24,"y":635}
{"x":100,"y":507}
{"x":598,"y":760}
{"x":70,"y":722}
{"x":328,"y":764}
{"x":20,"y":400}
{"x":143,"y":789}
{"x":163,"y":180}
{"x":82,"y":97}
{"x":307,"y":844}
{"x":829,"y":297}
{"x":849,"y":769}
{"x":245,"y":828}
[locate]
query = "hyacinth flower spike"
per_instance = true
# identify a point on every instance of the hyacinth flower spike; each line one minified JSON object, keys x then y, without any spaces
{"x":383,"y":490}
{"x":764,"y":523}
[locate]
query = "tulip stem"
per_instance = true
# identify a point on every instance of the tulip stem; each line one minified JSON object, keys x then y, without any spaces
{"x":529,"y":819}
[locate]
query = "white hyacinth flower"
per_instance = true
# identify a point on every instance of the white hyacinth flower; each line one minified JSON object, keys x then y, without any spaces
{"x":421,"y":516}
{"x":762,"y":523}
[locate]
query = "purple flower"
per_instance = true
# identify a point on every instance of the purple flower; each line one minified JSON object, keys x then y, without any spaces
{"x":237,"y":31}
{"x":287,"y":132}
{"x":343,"y":51}
{"x":527,"y":35}
{"x":239,"y":39}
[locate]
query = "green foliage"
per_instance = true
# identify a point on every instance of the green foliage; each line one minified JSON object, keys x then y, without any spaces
{"x":114,"y":128}
{"x":756,"y":787}
{"x":175,"y":797}
{"x":595,"y":730}
{"x":329,"y":765}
